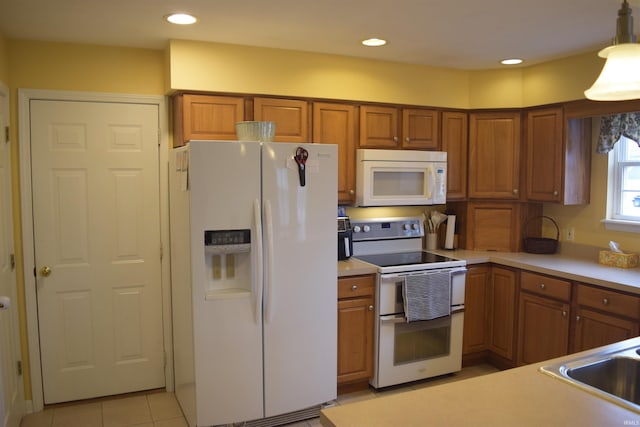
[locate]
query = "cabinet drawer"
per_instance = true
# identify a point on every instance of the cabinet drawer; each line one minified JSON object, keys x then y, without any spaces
{"x":545,"y":285}
{"x":608,"y":300}
{"x":356,"y":286}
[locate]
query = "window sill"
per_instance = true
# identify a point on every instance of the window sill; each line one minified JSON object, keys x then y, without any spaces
{"x":620,"y":225}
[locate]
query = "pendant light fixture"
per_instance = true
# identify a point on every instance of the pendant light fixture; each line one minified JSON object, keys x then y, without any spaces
{"x":620,"y":76}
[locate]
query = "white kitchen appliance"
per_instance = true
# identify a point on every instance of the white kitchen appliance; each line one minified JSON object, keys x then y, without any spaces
{"x":254,"y":271}
{"x":410,"y":347}
{"x":400,"y":177}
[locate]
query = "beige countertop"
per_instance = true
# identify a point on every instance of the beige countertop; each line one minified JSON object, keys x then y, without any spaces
{"x":582,"y":268}
{"x":517,"y":397}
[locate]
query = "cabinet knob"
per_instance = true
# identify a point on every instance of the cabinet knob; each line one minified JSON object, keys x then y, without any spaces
{"x":407,"y":139}
{"x":351,"y":192}
{"x":370,"y":308}
{"x":577,"y":318}
{"x":542,"y":286}
{"x":605,"y":301}
{"x":354,"y":288}
{"x":555,"y":193}
{"x":395,"y":139}
{"x":564,"y":313}
{"x":515,"y":191}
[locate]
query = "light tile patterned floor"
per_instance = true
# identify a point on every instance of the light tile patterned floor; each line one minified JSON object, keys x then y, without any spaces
{"x":162,"y":410}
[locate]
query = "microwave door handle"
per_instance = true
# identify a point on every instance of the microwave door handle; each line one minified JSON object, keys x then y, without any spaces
{"x":431,"y":182}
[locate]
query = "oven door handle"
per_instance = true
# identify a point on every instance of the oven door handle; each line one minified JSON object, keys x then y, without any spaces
{"x":393,"y":318}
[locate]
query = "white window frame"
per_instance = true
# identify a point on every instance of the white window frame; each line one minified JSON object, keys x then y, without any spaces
{"x":615,"y":220}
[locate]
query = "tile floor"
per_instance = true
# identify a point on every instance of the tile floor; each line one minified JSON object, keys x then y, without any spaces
{"x":159,"y":409}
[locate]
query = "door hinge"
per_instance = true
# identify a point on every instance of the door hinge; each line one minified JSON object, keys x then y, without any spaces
{"x":159,"y":137}
{"x":161,"y":251}
{"x":6,"y":134}
{"x":164,"y":361}
{"x":12,"y":261}
{"x":19,"y":367}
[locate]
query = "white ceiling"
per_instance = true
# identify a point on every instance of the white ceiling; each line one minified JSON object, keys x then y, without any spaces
{"x":465,"y":34}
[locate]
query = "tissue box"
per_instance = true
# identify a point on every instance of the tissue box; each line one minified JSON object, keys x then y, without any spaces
{"x":615,"y":259}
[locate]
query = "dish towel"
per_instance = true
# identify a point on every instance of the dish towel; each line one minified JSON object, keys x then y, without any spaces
{"x":427,"y":296}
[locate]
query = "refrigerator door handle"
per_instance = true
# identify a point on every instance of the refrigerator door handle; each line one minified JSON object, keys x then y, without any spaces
{"x":268,"y":283}
{"x":259,"y":260}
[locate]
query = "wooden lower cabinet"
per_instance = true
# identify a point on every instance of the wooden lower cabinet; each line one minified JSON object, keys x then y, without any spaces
{"x":475,"y":332}
{"x":502,"y":312}
{"x":543,"y":328}
{"x":355,"y":330}
{"x":603,"y":316}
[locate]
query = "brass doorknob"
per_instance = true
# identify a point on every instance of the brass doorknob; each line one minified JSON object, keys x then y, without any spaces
{"x":45,"y":271}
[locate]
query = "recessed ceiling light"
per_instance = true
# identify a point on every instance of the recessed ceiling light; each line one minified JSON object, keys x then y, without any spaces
{"x":181,"y":19}
{"x":374,"y":42}
{"x":511,"y":61}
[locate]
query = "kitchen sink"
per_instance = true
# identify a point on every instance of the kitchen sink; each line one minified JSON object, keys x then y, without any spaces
{"x":613,"y":374}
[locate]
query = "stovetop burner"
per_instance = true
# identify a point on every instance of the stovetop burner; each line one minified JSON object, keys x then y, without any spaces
{"x":403,"y":258}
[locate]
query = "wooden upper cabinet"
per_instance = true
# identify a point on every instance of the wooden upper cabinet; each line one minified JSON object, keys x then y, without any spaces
{"x":454,"y":142}
{"x":394,"y":127}
{"x":544,"y":155}
{"x":494,"y":155}
{"x":379,"y":127}
{"x":206,"y":117}
{"x":290,"y":115}
{"x":420,"y":129}
{"x":336,"y":124}
{"x":558,"y":159}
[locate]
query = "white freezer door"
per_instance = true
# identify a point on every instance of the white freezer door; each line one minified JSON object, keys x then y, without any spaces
{"x":300,"y":300}
{"x":225,"y":190}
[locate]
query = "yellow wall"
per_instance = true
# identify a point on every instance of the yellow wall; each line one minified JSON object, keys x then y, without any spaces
{"x":187,"y":65}
{"x":57,"y":66}
{"x":231,"y":68}
{"x":4,"y":61}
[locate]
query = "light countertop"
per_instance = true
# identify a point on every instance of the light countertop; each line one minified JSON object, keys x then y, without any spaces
{"x":571,"y":267}
{"x":517,"y":397}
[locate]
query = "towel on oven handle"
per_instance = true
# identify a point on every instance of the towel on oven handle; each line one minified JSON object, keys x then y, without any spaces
{"x":427,"y":296}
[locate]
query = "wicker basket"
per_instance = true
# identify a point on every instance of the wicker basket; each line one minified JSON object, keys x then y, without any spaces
{"x":541,"y":245}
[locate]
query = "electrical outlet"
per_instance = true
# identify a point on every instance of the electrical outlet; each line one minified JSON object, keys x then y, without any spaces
{"x":571,"y":234}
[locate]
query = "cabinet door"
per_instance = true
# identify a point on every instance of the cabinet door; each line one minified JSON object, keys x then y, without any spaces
{"x":594,"y":329}
{"x":502,"y":297}
{"x":475,"y":336}
{"x":206,"y":117}
{"x":543,"y":328}
{"x":544,"y":155}
{"x":454,"y":142}
{"x":493,"y":226}
{"x":494,"y":155}
{"x":290,"y":115}
{"x":335,"y":124}
{"x":355,"y":339}
{"x":378,"y":127}
{"x":420,"y":129}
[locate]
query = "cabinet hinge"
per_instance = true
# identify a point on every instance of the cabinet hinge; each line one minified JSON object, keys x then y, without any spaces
{"x":6,"y":134}
{"x":19,"y":367}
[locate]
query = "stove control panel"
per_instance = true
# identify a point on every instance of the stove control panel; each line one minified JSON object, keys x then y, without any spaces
{"x":387,"y":228}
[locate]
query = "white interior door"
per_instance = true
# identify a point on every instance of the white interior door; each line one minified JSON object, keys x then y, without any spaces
{"x":97,"y":243}
{"x":11,"y":388}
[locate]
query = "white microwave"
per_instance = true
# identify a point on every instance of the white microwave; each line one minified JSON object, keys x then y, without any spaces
{"x":400,"y":177}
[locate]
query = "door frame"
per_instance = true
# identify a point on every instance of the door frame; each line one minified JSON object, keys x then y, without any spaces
{"x":25,"y":96}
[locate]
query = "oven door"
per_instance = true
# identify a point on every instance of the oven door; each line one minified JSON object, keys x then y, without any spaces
{"x":417,"y":350}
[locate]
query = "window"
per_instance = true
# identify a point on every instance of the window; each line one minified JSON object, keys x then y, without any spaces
{"x":623,"y":199}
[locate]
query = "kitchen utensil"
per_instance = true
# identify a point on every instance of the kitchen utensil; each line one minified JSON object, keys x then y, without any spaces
{"x":437,"y":218}
{"x":301,"y":159}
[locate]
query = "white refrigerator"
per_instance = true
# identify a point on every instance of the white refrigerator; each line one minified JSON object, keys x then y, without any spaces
{"x":254,"y":270}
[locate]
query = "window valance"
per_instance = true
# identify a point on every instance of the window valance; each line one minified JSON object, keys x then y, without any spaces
{"x":614,"y":127}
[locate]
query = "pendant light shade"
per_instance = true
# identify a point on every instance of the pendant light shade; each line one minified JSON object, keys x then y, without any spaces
{"x":620,"y":76}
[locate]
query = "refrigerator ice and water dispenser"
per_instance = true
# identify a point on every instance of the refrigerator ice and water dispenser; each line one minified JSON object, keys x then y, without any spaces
{"x":227,"y":258}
